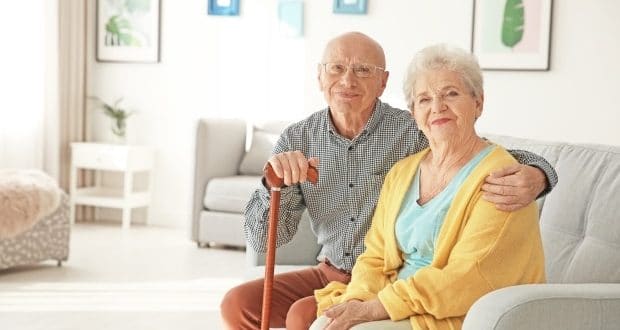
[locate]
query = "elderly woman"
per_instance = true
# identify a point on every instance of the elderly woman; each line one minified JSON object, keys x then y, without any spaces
{"x":435,"y":246}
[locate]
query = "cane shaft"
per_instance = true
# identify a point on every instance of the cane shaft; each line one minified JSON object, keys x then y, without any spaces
{"x":270,"y":261}
{"x":275,"y":183}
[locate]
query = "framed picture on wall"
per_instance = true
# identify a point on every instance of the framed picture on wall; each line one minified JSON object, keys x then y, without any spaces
{"x":128,"y":31}
{"x":291,"y":18}
{"x":512,"y":34}
{"x":223,"y":7}
{"x":358,"y":7}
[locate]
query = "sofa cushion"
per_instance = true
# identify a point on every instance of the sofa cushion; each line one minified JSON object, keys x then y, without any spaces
{"x":262,"y":137}
{"x":230,"y":194}
{"x":260,"y":151}
{"x":579,"y":223}
{"x":579,"y":218}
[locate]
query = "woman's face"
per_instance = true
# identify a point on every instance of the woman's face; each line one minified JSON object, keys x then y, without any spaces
{"x":444,"y":107}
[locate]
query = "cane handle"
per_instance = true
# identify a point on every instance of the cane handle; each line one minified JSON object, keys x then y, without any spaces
{"x":273,"y":181}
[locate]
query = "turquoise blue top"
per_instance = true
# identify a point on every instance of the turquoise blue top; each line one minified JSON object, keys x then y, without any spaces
{"x":417,"y":227}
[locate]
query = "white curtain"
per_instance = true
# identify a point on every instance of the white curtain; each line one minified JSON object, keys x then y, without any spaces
{"x":72,"y":77}
{"x":23,"y":82}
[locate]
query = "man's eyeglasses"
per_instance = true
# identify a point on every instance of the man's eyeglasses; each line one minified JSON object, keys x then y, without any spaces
{"x":361,"y":70}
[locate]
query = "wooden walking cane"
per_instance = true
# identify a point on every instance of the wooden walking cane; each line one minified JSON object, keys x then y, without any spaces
{"x":276,"y":184}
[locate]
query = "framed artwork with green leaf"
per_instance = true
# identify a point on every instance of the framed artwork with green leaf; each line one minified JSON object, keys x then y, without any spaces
{"x":128,"y":30}
{"x":512,"y":34}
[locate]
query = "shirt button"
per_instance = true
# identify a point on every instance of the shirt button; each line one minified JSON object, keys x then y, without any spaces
{"x":414,"y":250}
{"x":352,"y":219}
{"x":348,"y":254}
{"x":350,"y":185}
{"x":350,"y":148}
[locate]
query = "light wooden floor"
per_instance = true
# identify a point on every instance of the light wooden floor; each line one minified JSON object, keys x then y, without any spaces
{"x":142,"y":278}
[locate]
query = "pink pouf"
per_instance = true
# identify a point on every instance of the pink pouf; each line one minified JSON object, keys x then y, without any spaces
{"x":26,"y":196}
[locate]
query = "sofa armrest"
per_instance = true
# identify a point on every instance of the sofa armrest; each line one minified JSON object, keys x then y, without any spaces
{"x":220,"y":146}
{"x":302,"y":250}
{"x":547,"y":306}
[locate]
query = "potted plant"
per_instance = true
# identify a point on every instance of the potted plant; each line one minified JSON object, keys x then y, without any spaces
{"x":117,"y":114}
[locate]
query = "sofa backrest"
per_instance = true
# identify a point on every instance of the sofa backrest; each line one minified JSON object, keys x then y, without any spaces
{"x":580,"y":218}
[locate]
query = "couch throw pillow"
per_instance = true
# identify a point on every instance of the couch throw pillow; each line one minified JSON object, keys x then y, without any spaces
{"x":260,"y":150}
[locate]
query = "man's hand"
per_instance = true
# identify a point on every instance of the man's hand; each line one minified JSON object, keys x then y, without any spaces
{"x":292,"y":166}
{"x":353,"y":312}
{"x":514,"y":187}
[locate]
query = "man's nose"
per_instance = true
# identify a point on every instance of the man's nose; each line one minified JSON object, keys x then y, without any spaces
{"x":348,"y":78}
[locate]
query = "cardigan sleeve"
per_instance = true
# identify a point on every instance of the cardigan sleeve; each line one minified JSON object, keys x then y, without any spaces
{"x":494,"y":249}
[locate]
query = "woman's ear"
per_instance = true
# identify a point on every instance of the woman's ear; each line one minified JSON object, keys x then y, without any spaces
{"x":479,"y":105}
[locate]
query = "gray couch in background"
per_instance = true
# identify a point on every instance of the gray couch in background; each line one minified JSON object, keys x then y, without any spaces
{"x":229,"y":160}
{"x":220,"y":146}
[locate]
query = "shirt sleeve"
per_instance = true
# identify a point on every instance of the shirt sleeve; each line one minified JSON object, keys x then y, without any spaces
{"x":256,"y":225}
{"x":528,"y":158}
{"x":419,"y":141}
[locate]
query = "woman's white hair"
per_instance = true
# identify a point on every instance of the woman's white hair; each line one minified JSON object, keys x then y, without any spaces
{"x":442,"y":56}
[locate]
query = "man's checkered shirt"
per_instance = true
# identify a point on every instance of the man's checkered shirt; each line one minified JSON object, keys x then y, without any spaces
{"x":351,"y":173}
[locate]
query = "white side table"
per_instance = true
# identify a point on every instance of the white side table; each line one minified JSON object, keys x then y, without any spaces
{"x":110,"y":157}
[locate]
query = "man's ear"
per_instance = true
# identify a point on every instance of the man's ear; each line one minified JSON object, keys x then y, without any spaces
{"x":384,"y":80}
{"x":319,"y":68}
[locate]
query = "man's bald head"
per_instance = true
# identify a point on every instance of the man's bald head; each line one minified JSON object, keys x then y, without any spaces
{"x":354,"y":47}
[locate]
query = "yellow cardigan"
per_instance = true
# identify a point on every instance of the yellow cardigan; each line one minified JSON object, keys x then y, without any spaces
{"x":479,"y":249}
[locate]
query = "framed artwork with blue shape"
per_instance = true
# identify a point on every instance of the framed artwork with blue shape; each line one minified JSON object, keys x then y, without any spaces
{"x":223,"y":7}
{"x":357,"y":7}
{"x":291,"y":18}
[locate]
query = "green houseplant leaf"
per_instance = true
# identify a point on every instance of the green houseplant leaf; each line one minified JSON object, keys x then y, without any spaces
{"x":512,"y":26}
{"x":117,"y":114}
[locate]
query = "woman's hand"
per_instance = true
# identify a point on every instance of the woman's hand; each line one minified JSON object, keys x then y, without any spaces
{"x":348,"y":314}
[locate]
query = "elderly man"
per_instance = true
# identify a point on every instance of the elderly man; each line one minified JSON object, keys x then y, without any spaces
{"x":353,"y":143}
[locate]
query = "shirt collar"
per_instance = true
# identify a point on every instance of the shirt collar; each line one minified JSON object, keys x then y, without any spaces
{"x":371,"y":124}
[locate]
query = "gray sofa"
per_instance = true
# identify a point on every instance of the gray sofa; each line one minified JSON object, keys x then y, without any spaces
{"x":580,"y":225}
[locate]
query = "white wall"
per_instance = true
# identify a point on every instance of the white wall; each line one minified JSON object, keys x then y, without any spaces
{"x":24,"y":72}
{"x":241,"y":67}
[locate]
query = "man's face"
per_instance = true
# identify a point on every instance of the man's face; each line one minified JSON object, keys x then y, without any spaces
{"x":352,"y":75}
